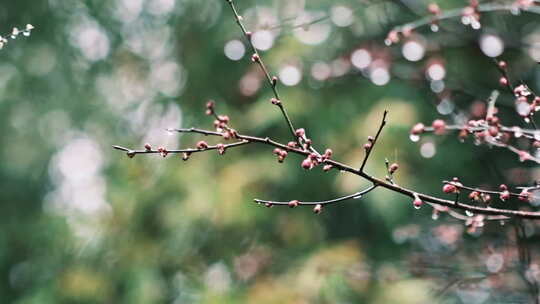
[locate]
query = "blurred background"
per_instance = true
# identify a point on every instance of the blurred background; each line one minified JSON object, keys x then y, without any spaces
{"x":82,"y":223}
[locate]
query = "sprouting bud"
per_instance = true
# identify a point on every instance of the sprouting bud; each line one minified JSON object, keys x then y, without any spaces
{"x":449,"y":188}
{"x":317,"y":209}
{"x":201,"y":145}
{"x":131,"y":154}
{"x":327,"y":153}
{"x":370,"y":139}
{"x":255,"y":58}
{"x":418,"y":129}
{"x":281,"y":155}
{"x":292,"y":144}
{"x":274,"y":80}
{"x":439,"y":126}
{"x":503,"y":187}
{"x":327,"y":168}
{"x":294,"y":203}
{"x":393,"y":168}
{"x":268,"y":205}
{"x":503,"y":81}
{"x":307,"y":164}
{"x":147,"y":147}
{"x":275,"y":101}
{"x":367,"y":146}
{"x":417,"y":203}
{"x":249,"y":34}
{"x":220,"y":148}
{"x":502,"y":64}
{"x":226,"y":135}
{"x":276,"y":151}
{"x":300,"y":132}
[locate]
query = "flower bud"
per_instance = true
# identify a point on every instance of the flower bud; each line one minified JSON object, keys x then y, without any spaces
{"x":255,"y":58}
{"x":439,"y":126}
{"x":275,"y":101}
{"x":418,"y":129}
{"x":201,"y":145}
{"x":393,"y":168}
{"x":327,"y":168}
{"x":300,"y":132}
{"x":221,"y":148}
{"x":307,"y":164}
{"x":317,"y":209}
{"x":293,"y":203}
{"x":503,"y":81}
{"x":147,"y":147}
{"x":449,"y":188}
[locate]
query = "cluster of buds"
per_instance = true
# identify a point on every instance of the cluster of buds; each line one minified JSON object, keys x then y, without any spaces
{"x":369,"y":144}
{"x":526,"y":102}
{"x":281,"y":154}
{"x":15,"y":32}
{"x":394,"y":35}
{"x":220,"y":123}
{"x":327,"y":154}
{"x":162,"y":151}
{"x":210,"y":107}
{"x":311,"y":161}
{"x":221,"y":148}
{"x":478,"y":196}
{"x":470,"y":15}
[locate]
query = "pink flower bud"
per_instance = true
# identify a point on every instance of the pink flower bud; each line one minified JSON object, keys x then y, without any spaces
{"x":268,"y":205}
{"x":502,"y":64}
{"x":367,"y":146}
{"x":504,"y":195}
{"x":449,"y":188}
{"x":300,"y":132}
{"x":418,"y":129}
{"x":439,"y":126}
{"x":221,"y":148}
{"x":327,"y":168}
{"x":292,"y":144}
{"x":393,"y":168}
{"x":293,"y":203}
{"x":255,"y":58}
{"x":274,"y":80}
{"x":434,"y":9}
{"x":524,"y":196}
{"x":201,"y":145}
{"x":503,"y":81}
{"x":417,"y":203}
{"x":275,"y":101}
{"x":307,"y":164}
{"x":147,"y":147}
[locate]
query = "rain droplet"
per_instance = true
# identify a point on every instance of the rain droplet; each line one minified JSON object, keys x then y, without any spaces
{"x":414,"y":137}
{"x":434,"y":27}
{"x":468,"y":213}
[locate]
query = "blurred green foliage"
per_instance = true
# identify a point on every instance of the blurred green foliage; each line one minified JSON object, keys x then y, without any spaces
{"x":82,"y":223}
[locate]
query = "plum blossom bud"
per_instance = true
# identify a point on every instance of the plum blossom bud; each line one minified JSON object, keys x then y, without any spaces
{"x":449,"y":188}
{"x":317,"y":209}
{"x":147,"y":147}
{"x":503,"y":81}
{"x":327,"y":168}
{"x":292,"y":144}
{"x":370,"y":139}
{"x":249,"y":34}
{"x":328,"y":153}
{"x":224,"y":119}
{"x":418,"y":129}
{"x":392,"y":37}
{"x":274,"y":80}
{"x":307,"y":164}
{"x":275,"y":101}
{"x":367,"y":146}
{"x":163,"y":151}
{"x":300,"y":132}
{"x":220,"y":148}
{"x":393,"y":168}
{"x":201,"y":145}
{"x":276,"y":151}
{"x":439,"y":126}
{"x":268,"y":205}
{"x":493,"y":131}
{"x":474,"y":196}
{"x":307,"y":143}
{"x":502,"y":64}
{"x":417,"y":203}
{"x":293,"y":203}
{"x":255,"y":58}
